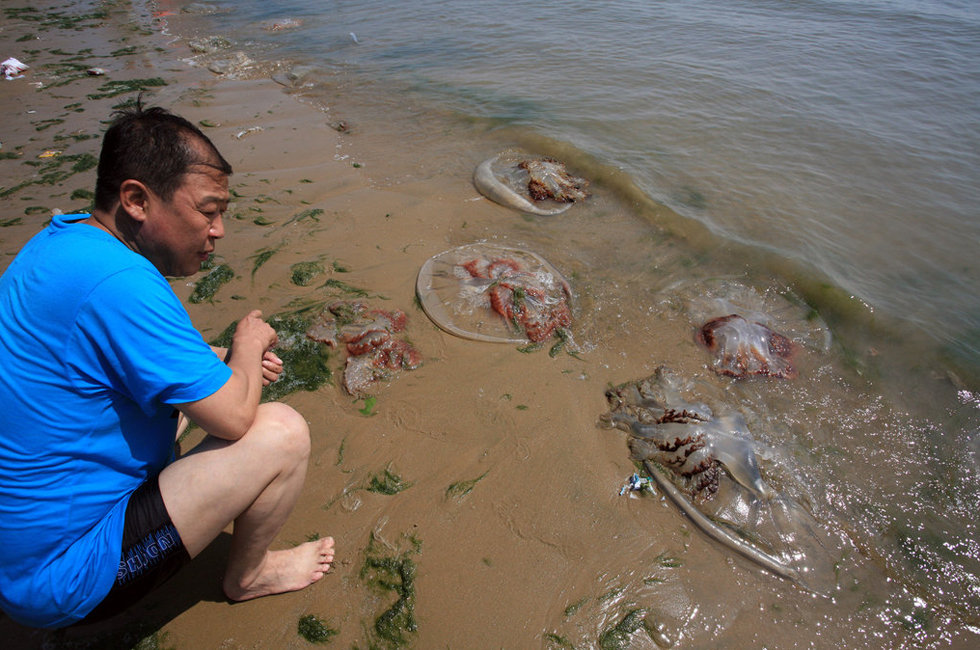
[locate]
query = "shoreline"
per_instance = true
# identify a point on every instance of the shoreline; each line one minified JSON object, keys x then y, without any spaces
{"x":541,"y":548}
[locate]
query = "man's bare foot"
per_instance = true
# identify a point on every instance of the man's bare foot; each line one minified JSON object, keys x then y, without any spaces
{"x":283,"y":571}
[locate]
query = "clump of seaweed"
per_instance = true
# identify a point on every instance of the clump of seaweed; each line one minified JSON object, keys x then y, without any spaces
{"x":315,"y":630}
{"x":206,"y":287}
{"x":55,"y":19}
{"x":393,"y":574}
{"x":555,"y":640}
{"x":43,"y":125}
{"x":65,"y":72}
{"x":668,"y":561}
{"x":387,"y":483}
{"x":342,"y":288}
{"x":261,"y":257}
{"x":124,"y":51}
{"x":369,"y":403}
{"x":622,"y":634}
{"x":619,"y":635}
{"x":460,"y":489}
{"x":116,"y":87}
{"x":305,"y":362}
{"x":312,"y":213}
{"x":303,"y":273}
{"x":51,"y":171}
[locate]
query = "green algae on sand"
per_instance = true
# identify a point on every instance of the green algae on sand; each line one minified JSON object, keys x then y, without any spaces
{"x":305,"y":362}
{"x":311,"y":213}
{"x":116,"y":87}
{"x":261,"y":257}
{"x":623,"y":633}
{"x":387,"y":483}
{"x":388,"y":573}
{"x":620,"y":635}
{"x":314,"y":629}
{"x":557,"y":641}
{"x":206,"y":287}
{"x":460,"y":489}
{"x":55,"y":19}
{"x":51,"y":171}
{"x":303,"y":273}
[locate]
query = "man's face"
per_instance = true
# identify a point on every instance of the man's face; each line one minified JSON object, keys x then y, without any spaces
{"x":179,"y":234}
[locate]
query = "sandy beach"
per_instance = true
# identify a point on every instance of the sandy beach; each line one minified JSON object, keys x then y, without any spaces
{"x":505,"y":526}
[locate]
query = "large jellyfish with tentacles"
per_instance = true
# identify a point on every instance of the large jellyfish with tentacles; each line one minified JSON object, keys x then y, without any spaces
{"x":497,"y":294}
{"x":742,"y":347}
{"x":527,"y":184}
{"x":368,"y":336}
{"x":706,"y":461}
{"x":748,"y":332}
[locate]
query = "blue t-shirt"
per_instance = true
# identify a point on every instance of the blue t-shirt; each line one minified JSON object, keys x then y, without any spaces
{"x":95,"y":349}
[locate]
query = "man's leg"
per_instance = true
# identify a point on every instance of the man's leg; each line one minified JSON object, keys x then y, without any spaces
{"x":254,"y":482}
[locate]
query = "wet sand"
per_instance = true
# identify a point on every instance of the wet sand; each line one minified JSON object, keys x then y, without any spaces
{"x":542,"y":551}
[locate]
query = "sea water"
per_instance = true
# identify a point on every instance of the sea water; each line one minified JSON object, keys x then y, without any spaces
{"x":843,"y":136}
{"x":832,"y":146}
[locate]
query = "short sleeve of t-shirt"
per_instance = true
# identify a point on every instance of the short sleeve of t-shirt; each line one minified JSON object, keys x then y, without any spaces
{"x":149,"y":344}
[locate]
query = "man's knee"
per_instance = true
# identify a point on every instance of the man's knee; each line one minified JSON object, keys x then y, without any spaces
{"x":286,"y":429}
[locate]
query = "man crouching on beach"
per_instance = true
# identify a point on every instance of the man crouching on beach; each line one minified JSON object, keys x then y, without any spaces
{"x":100,"y":358}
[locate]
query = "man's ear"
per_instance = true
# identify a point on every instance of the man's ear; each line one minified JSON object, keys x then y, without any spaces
{"x":133,"y":198}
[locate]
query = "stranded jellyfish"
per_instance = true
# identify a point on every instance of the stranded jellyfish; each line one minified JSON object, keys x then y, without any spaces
{"x":741,"y":348}
{"x":373,"y":352}
{"x":536,"y":185}
{"x":749,"y":332}
{"x":497,"y":294}
{"x":706,"y":461}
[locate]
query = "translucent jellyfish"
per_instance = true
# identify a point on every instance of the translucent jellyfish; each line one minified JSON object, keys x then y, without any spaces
{"x":749,"y":332}
{"x":282,"y":24}
{"x":496,"y":294}
{"x":707,"y":462}
{"x":373,"y":352}
{"x":536,"y":185}
{"x":741,"y":348}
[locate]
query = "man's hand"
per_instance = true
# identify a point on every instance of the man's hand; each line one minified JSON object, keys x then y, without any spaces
{"x":230,"y":412}
{"x":271,"y":364}
{"x":253,"y":328}
{"x":271,"y":367}
{"x":253,"y":331}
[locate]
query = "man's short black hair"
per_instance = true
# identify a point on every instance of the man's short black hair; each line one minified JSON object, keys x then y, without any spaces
{"x":153,"y":146}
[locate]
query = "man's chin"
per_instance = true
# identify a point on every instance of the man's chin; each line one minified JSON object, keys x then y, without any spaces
{"x":188,"y":271}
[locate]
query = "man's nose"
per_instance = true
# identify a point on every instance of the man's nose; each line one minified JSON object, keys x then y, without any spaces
{"x":217,"y":228}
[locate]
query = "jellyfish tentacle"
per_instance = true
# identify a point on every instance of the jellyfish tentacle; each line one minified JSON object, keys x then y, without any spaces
{"x":718,"y":533}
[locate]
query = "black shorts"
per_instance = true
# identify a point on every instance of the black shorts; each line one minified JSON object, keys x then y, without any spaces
{"x":152,"y":552}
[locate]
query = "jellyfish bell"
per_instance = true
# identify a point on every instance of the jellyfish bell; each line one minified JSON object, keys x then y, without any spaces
{"x":495,"y":294}
{"x":750,"y":331}
{"x":540,"y":186}
{"x":741,"y":348}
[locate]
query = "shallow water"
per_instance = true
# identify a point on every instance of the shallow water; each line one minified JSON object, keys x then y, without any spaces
{"x":840,"y":136}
